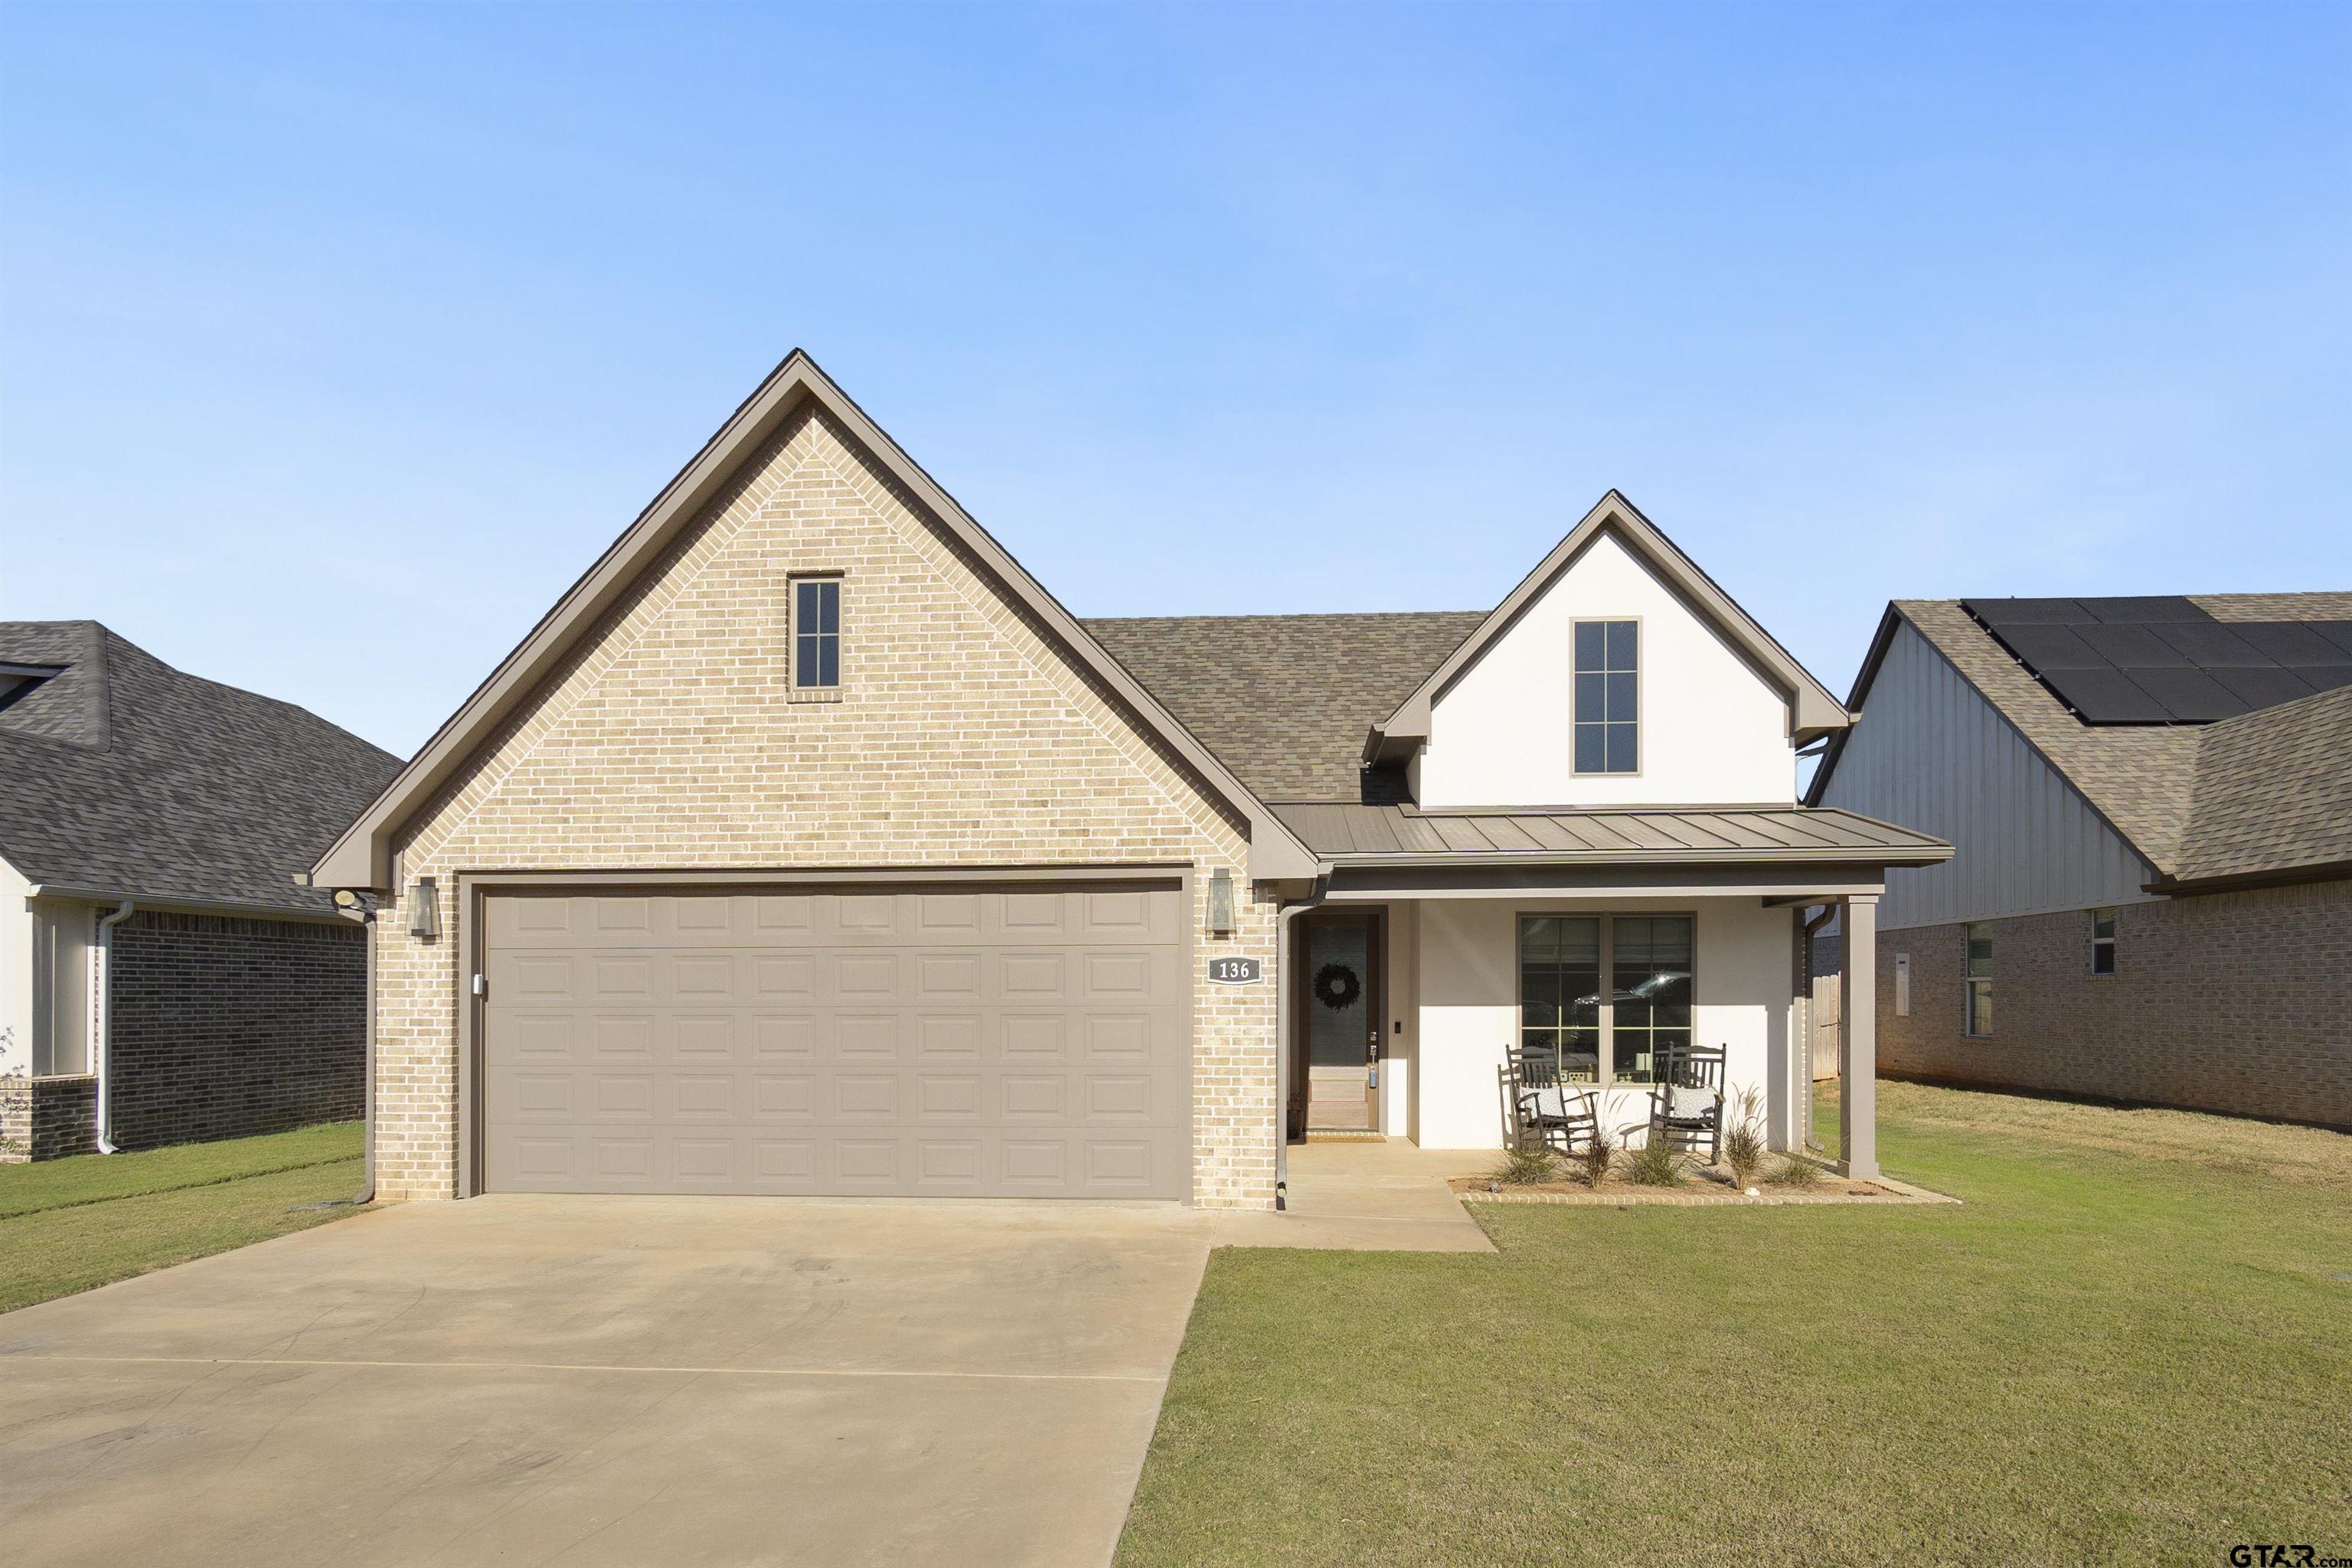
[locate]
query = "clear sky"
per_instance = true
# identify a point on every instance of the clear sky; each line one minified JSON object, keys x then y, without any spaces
{"x":335,"y":342}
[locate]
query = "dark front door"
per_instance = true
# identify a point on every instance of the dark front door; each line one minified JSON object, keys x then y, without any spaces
{"x":1339,"y":1022}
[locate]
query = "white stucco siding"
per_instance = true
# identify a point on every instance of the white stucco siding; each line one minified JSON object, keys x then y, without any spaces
{"x":1931,"y":752}
{"x":1469,"y":1008}
{"x":1713,"y":730}
{"x":16,"y":973}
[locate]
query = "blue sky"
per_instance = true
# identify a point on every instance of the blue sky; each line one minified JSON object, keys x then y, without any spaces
{"x":335,"y":342}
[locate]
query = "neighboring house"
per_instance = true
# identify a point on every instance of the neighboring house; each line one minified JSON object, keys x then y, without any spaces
{"x":808,"y":846}
{"x":163,"y":979}
{"x":2152,"y":801}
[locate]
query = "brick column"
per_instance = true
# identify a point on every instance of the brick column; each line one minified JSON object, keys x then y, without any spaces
{"x":1858,"y":1040}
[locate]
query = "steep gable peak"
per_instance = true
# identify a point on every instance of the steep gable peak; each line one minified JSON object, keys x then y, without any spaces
{"x":1814,"y":712}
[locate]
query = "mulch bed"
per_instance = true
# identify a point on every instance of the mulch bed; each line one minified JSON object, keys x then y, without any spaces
{"x":1700,"y":1187}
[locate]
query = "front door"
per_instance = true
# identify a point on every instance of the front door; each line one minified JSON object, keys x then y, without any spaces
{"x":1339,"y":1026}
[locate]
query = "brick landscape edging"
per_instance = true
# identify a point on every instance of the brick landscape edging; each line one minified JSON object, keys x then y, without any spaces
{"x":1893,"y":1194}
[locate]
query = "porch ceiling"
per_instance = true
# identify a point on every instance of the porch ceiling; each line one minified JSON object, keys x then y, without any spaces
{"x":1756,"y":835}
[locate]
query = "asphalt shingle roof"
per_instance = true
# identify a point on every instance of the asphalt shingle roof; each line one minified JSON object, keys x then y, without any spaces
{"x":1285,"y":701}
{"x":123,"y":776}
{"x":2187,"y":796}
{"x":2273,"y":790}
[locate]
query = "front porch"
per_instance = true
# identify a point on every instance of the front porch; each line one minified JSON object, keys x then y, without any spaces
{"x":1410,"y":975}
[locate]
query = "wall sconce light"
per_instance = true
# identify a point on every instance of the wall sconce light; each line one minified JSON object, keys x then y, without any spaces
{"x":424,"y":908}
{"x":1221,"y":902}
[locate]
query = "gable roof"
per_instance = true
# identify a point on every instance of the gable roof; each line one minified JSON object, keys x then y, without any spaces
{"x":1286,"y":700}
{"x":2191,"y":799}
{"x":360,"y":857}
{"x":1813,"y":712}
{"x":123,"y":777}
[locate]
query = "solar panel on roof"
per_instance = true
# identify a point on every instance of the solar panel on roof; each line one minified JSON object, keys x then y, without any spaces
{"x":2050,"y":648}
{"x":2213,"y":645}
{"x":2108,"y":693}
{"x":2162,"y":659}
{"x":2126,"y":645}
{"x":2026,"y":611}
{"x":2325,"y":676}
{"x":2143,"y":609}
{"x":2190,"y":694}
{"x":2291,"y":643}
{"x":2263,"y":687}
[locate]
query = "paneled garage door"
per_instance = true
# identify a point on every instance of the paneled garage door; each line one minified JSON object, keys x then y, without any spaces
{"x":1023,"y":1041}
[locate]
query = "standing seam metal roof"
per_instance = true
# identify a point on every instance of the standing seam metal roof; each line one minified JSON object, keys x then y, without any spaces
{"x":1711,"y":832}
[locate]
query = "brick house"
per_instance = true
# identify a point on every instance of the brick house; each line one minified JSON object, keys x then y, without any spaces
{"x":2152,"y":803}
{"x":163,"y":980}
{"x":808,"y":846}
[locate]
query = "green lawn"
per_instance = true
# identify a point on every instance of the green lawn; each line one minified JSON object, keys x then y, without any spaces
{"x":2132,"y":1345}
{"x":71,"y":1225}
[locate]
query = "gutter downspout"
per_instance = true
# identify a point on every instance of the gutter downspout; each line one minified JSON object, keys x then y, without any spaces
{"x":366,"y":1194}
{"x":1282,"y":1038}
{"x":1804,"y":1084}
{"x":105,"y":1031}
{"x":367,"y":1168}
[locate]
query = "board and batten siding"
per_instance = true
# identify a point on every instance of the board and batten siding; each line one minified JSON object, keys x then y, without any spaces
{"x":1931,"y":752}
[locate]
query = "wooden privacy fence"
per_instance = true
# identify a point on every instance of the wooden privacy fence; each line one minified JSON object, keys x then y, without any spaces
{"x":1826,"y":1014}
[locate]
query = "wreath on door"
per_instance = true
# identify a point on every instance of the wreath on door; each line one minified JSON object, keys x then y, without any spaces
{"x":1337,"y":987}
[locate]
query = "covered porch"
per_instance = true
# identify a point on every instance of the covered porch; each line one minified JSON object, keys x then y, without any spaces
{"x":1436,"y":944}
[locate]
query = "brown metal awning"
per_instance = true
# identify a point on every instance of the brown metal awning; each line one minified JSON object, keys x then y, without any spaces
{"x":1401,"y":835}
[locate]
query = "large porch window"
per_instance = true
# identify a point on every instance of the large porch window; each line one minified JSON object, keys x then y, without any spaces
{"x":1559,"y":991}
{"x":1645,"y":1009}
{"x":1650,"y":969}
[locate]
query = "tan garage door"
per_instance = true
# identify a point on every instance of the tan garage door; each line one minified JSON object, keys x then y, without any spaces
{"x":1011,"y":1042}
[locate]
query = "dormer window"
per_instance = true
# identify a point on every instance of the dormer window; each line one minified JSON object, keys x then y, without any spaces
{"x":1608,"y":697}
{"x":816,"y":636}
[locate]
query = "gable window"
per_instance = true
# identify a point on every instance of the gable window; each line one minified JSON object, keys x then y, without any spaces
{"x":816,"y":634}
{"x":1608,"y":697}
{"x":2102,"y":941}
{"x":1980,"y":980}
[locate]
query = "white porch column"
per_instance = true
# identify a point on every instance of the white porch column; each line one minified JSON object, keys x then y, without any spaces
{"x":1858,"y":1040}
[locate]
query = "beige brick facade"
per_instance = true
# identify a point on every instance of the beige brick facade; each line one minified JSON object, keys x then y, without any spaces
{"x":667,"y":740}
{"x":2234,"y":1002}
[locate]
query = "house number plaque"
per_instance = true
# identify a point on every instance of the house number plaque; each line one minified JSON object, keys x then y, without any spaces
{"x":1235,"y":971}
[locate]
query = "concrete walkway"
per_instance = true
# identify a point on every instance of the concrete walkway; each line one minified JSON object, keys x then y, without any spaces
{"x":633,"y":1381}
{"x":1376,"y":1197}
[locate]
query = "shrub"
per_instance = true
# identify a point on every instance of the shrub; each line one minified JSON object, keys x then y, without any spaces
{"x":1796,"y":1170}
{"x":1743,"y":1143}
{"x":1596,"y":1155}
{"x":1654,"y":1165}
{"x":1525,"y":1168}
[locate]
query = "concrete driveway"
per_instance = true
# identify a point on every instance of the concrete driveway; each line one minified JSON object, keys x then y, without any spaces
{"x":622,"y":1381}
